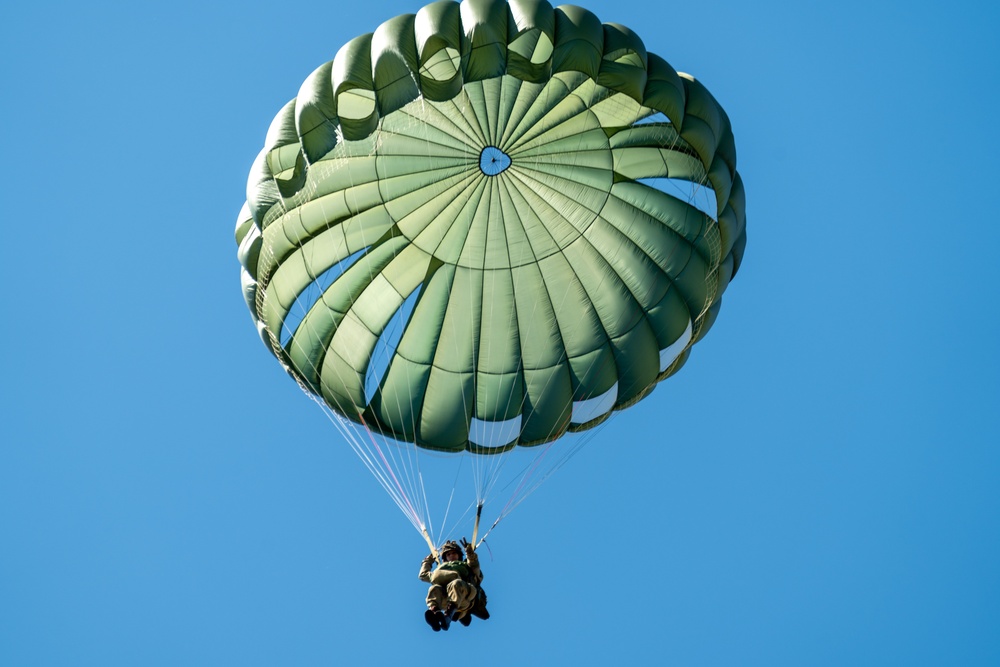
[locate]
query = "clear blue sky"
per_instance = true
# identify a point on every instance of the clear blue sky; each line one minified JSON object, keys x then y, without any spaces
{"x":818,"y":486}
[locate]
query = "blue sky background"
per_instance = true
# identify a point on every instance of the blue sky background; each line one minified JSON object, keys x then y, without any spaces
{"x":818,"y":486}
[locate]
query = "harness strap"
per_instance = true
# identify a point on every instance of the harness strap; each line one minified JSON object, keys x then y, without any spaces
{"x":430,"y":543}
{"x":475,"y":530}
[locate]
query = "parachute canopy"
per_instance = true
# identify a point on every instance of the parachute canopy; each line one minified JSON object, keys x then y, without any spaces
{"x":485,"y":224}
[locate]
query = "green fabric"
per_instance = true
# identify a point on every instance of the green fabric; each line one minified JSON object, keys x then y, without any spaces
{"x":459,"y":567}
{"x":545,"y":294}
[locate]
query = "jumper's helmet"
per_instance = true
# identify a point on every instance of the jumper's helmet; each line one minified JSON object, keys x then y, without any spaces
{"x":450,"y":546}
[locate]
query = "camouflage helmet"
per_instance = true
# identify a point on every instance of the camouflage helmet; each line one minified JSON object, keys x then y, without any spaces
{"x":449,"y":546}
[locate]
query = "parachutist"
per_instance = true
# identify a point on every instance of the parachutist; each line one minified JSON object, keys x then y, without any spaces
{"x":455,"y":593}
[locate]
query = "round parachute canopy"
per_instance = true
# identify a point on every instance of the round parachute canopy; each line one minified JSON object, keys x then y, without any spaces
{"x":486,"y":224}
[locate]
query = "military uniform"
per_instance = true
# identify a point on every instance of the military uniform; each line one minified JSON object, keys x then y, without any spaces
{"x":452,"y":583}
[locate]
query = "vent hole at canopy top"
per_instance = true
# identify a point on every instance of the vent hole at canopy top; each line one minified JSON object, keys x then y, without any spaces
{"x":492,"y":161}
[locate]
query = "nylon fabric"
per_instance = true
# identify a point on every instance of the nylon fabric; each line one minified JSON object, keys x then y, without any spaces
{"x":552,"y":276}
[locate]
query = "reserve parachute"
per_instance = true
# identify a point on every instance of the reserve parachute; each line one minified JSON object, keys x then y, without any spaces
{"x":481,"y":227}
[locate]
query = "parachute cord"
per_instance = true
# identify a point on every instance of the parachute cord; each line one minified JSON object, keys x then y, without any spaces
{"x":487,"y":547}
{"x":507,"y":508}
{"x":524,"y":478}
{"x":423,"y":491}
{"x":524,"y":490}
{"x":486,"y":534}
{"x":413,"y":513}
{"x":353,"y":438}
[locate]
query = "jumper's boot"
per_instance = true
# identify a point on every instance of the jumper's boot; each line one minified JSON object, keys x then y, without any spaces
{"x":448,"y":616}
{"x":479,"y":607}
{"x":480,"y":610}
{"x":465,"y":620}
{"x":433,"y":618}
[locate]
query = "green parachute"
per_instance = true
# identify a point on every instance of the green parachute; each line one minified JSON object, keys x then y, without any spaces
{"x":487,"y":224}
